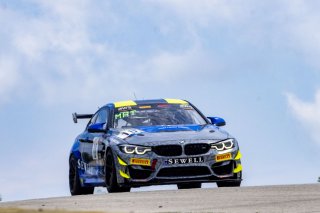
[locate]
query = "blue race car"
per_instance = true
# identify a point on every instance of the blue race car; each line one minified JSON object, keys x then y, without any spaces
{"x":152,"y":142}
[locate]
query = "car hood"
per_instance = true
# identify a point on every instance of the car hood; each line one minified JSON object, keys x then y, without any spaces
{"x":168,"y":134}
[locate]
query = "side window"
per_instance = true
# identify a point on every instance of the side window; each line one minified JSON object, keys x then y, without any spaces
{"x":92,"y":120}
{"x":102,"y":116}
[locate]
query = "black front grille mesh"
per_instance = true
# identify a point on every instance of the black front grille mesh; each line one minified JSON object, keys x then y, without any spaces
{"x":196,"y":148}
{"x":168,"y":150}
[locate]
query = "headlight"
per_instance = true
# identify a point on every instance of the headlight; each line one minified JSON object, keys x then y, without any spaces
{"x":131,"y":149}
{"x":223,"y":145}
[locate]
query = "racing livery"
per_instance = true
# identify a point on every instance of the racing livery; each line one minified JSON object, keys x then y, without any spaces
{"x":151,"y":142}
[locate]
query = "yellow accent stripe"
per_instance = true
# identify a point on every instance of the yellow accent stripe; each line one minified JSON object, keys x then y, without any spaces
{"x":124,"y":103}
{"x":175,"y":101}
{"x":122,"y":163}
{"x":124,"y":174}
{"x":238,"y":169}
{"x":238,"y":156}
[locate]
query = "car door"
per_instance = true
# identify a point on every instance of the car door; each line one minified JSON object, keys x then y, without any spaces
{"x":91,"y":146}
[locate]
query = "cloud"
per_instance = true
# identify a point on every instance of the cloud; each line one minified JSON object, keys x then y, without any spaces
{"x":308,"y":113}
{"x":56,"y":55}
{"x":168,"y":67}
{"x":8,"y":78}
{"x":61,"y":51}
{"x":293,"y":23}
{"x":205,"y":12}
{"x":299,"y":23}
{"x":52,"y":53}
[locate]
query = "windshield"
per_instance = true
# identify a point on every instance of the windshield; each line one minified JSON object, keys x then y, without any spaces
{"x":156,"y":114}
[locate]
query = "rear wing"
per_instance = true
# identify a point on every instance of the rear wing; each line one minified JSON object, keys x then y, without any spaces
{"x":76,"y":116}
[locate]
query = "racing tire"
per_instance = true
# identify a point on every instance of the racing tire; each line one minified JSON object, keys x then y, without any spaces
{"x":74,"y":180}
{"x":188,"y":185}
{"x":111,"y":175}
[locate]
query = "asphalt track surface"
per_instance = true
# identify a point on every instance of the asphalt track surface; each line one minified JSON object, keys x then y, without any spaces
{"x":258,"y":199}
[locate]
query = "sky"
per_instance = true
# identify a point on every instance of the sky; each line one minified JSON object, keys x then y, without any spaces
{"x":254,"y":63}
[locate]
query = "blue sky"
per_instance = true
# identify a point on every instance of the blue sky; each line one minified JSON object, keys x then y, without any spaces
{"x":254,"y":63}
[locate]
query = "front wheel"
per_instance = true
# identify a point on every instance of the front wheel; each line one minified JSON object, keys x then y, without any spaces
{"x":188,"y":185}
{"x":74,"y":180}
{"x":111,"y":175}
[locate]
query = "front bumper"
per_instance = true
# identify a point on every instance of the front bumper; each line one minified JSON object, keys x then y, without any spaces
{"x":153,"y":169}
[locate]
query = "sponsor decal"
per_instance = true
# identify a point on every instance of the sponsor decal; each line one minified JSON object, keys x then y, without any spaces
{"x":90,"y":169}
{"x":172,"y":161}
{"x":223,"y":157}
{"x":128,"y":133}
{"x":163,"y":105}
{"x":186,"y":106}
{"x":125,"y":108}
{"x":144,"y":107}
{"x":124,"y":114}
{"x":140,"y":161}
{"x":82,"y":165}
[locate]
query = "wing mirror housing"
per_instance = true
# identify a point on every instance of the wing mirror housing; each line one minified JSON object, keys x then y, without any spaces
{"x":217,"y":121}
{"x":96,"y":128}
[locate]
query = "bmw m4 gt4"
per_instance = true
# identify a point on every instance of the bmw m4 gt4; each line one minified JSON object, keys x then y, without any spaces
{"x":151,"y":142}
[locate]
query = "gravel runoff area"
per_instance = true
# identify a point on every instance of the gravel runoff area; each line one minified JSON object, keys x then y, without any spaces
{"x":258,"y":199}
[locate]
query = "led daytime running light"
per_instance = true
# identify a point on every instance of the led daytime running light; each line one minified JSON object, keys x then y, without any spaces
{"x":136,"y":149}
{"x":223,"y":145}
{"x":125,"y":149}
{"x":143,"y":151}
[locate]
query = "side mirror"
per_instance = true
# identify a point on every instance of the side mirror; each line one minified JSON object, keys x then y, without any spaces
{"x":217,"y":121}
{"x":98,"y":127}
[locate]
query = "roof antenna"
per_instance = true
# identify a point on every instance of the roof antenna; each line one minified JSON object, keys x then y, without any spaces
{"x":134,"y":94}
